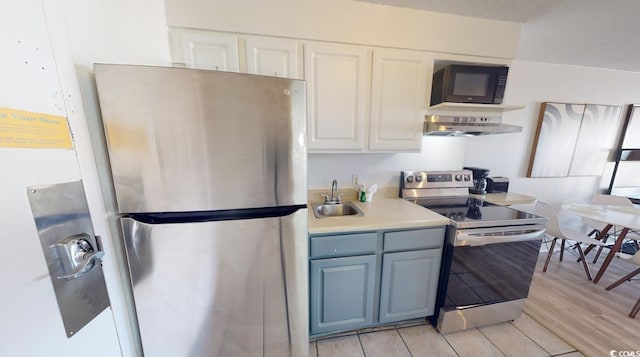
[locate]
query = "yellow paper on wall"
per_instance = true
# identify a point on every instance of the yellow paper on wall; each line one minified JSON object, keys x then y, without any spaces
{"x":22,"y":129}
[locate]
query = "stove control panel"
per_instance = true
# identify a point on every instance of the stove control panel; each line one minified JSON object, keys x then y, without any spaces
{"x":436,"y":179}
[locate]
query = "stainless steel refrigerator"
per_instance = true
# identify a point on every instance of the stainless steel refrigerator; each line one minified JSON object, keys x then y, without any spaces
{"x":209,"y":170}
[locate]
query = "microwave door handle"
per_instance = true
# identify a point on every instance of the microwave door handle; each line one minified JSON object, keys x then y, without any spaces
{"x":470,"y":239}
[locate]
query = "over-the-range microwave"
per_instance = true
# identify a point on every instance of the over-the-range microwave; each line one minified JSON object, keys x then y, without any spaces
{"x":469,"y":84}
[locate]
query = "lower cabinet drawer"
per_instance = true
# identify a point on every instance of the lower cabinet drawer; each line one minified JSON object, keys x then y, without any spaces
{"x":414,"y":239}
{"x":342,"y":245}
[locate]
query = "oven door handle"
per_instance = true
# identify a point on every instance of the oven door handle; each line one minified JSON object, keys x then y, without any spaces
{"x":471,"y":239}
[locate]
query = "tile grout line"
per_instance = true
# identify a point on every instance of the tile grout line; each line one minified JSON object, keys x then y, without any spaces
{"x":403,"y":342}
{"x":532,"y":340}
{"x":361,"y":346}
{"x":449,"y":343}
{"x":490,"y":341}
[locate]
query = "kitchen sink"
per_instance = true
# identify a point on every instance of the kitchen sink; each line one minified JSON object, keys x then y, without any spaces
{"x":335,"y":210}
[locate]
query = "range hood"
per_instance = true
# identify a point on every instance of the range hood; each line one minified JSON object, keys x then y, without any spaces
{"x":440,"y":125}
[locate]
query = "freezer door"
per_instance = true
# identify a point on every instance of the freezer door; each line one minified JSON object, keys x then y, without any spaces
{"x":223,"y":288}
{"x":195,"y":140}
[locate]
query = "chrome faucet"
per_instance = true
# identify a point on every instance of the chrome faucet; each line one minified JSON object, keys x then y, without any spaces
{"x":334,"y":189}
{"x":335,"y":197}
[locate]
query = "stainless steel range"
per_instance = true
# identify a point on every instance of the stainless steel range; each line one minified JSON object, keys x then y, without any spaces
{"x":490,"y":252}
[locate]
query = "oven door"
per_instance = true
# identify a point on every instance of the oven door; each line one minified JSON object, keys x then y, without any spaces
{"x":491,"y":265}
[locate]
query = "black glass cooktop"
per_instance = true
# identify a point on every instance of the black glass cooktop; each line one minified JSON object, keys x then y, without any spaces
{"x":472,"y":212}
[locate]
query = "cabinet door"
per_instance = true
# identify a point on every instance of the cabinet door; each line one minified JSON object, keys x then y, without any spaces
{"x":206,"y":50}
{"x":409,"y":284}
{"x":338,"y":90}
{"x":341,"y":293}
{"x":274,"y":57}
{"x":399,"y":86}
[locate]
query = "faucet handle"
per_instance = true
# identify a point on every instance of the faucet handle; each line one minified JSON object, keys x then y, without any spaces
{"x":339,"y":198}
{"x":326,"y":197}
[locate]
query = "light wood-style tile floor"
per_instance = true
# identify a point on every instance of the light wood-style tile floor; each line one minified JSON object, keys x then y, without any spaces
{"x":523,"y":337}
{"x":582,"y":313}
{"x":565,"y":315}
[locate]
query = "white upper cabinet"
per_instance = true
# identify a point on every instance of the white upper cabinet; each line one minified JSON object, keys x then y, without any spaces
{"x":274,"y":57}
{"x":206,"y":50}
{"x":366,"y":99}
{"x":338,"y":91}
{"x":359,"y":98}
{"x":262,"y":55}
{"x":399,"y":86}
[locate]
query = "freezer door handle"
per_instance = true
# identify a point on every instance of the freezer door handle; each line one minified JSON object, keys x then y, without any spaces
{"x":79,"y":254}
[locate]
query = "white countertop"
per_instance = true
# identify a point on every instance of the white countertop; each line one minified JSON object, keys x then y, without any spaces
{"x":381,"y":213}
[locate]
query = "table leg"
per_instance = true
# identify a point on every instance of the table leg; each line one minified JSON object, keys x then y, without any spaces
{"x":623,"y":279}
{"x":600,"y":236}
{"x":612,"y":253}
{"x":635,"y":309}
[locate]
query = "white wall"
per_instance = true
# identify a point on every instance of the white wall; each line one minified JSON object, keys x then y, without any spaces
{"x":118,"y":31}
{"x":351,"y":22}
{"x":360,"y":23}
{"x":35,"y":73}
{"x":438,"y":153}
{"x":141,"y":37}
{"x":85,"y":33}
{"x":530,"y":84}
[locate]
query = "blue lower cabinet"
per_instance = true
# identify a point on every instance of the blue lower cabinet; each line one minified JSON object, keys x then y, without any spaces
{"x":341,"y":293}
{"x":409,"y":284}
{"x":366,"y":279}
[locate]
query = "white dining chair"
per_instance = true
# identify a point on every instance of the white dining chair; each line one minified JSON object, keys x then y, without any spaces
{"x":634,"y":259}
{"x":563,"y":233}
{"x":597,"y":226}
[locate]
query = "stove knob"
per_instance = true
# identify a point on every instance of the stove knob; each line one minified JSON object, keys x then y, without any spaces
{"x":418,"y":178}
{"x":409,"y":178}
{"x":458,"y":177}
{"x":467,"y":178}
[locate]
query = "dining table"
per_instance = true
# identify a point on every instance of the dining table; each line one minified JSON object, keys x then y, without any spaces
{"x":624,"y":217}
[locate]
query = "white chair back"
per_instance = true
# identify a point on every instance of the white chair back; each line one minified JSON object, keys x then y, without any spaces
{"x":545,"y":210}
{"x":558,"y":232}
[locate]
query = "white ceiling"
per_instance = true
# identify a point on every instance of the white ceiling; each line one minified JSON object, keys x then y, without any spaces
{"x":593,"y":33}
